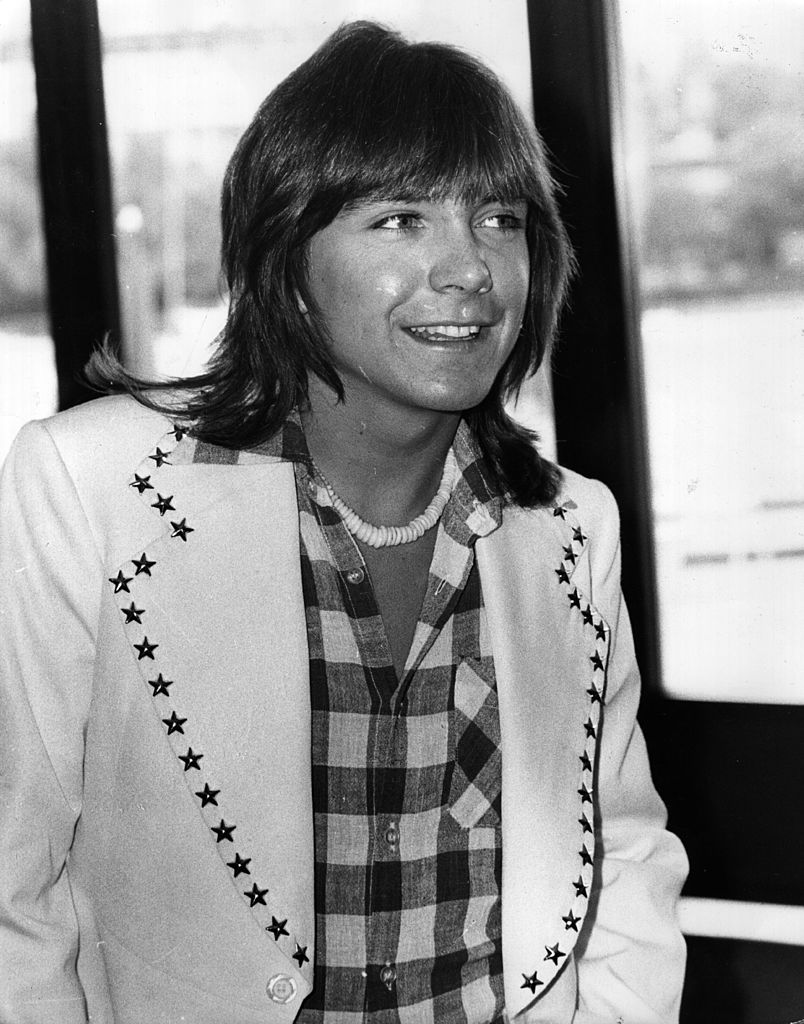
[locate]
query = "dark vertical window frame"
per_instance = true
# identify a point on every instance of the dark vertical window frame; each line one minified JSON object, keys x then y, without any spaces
{"x":598,"y":384}
{"x":76,"y":186}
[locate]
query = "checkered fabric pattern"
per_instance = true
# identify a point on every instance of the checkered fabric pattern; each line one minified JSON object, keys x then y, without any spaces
{"x":406,"y":773}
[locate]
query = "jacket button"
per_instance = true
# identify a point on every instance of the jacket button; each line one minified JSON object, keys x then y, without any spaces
{"x":281,"y":988}
{"x":392,"y":835}
{"x":355,"y":576}
{"x":388,"y":976}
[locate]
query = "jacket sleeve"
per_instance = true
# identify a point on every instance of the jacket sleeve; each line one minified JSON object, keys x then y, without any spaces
{"x":49,"y":595}
{"x":631,"y":962}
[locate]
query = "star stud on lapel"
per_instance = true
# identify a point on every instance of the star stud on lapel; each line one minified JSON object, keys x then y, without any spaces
{"x":578,"y":536}
{"x":575,"y":599}
{"x":181,"y":529}
{"x":191,"y":760}
{"x":142,"y":483}
{"x":120,"y":582}
{"x":584,"y":759}
{"x":595,"y":695}
{"x":240,"y":866}
{"x":174,"y":723}
{"x":585,"y":795}
{"x":300,"y":955}
{"x":531,"y":981}
{"x":224,"y":832}
{"x":554,"y":953}
{"x":597,"y":661}
{"x":563,"y":576}
{"x":590,"y":729}
{"x":207,"y":795}
{"x":145,"y":649}
{"x":569,"y":554}
{"x":588,"y":617}
{"x":163,"y":504}
{"x":583,"y":821}
{"x":585,"y":855}
{"x":277,"y":928}
{"x":132,"y":613}
{"x":571,"y":921}
{"x":256,"y":895}
{"x":160,"y":685}
{"x":142,"y":564}
{"x":160,"y":457}
{"x":580,"y":888}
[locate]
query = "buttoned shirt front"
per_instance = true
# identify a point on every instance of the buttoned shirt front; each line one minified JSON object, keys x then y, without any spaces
{"x":406,"y":772}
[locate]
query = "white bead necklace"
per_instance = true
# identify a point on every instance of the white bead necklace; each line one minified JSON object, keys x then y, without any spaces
{"x":390,"y":536}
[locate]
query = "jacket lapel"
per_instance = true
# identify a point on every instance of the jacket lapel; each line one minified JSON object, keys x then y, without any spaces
{"x":550,"y":649}
{"x":216,"y":625}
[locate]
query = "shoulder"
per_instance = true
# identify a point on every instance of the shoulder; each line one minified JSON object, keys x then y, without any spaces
{"x":107,"y":432}
{"x":590,"y":500}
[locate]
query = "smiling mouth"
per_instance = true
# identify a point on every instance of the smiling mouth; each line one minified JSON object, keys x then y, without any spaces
{"x":446,"y":332}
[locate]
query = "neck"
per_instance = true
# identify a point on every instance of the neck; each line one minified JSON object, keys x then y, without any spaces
{"x":386,"y":463}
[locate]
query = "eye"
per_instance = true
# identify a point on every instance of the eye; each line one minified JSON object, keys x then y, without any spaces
{"x":398,"y":222}
{"x":505,"y":220}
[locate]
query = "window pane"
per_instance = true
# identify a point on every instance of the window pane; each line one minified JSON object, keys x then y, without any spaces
{"x":182,"y":81}
{"x":27,"y":369}
{"x":715,"y":152}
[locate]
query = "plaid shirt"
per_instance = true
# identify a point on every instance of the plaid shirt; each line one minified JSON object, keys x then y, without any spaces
{"x":406,"y":774}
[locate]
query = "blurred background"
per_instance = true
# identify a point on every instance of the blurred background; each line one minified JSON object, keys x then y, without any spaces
{"x":676,"y":128}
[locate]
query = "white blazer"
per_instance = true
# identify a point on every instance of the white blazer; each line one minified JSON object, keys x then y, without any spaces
{"x":124,"y":598}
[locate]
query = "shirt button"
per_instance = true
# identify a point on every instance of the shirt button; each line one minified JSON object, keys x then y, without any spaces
{"x":392,"y":835}
{"x":388,"y":976}
{"x":281,"y":988}
{"x":355,"y":577}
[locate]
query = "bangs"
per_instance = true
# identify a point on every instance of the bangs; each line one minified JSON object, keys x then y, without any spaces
{"x":401,"y":121}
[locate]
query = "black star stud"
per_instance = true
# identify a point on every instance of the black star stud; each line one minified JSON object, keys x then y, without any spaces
{"x":174,"y":723}
{"x":277,"y":928}
{"x":585,"y":795}
{"x":595,"y":694}
{"x":569,"y":554}
{"x":191,"y":760}
{"x":223,"y":831}
{"x":590,"y":729}
{"x":580,"y":888}
{"x":554,"y":953}
{"x":256,"y":895}
{"x":145,"y":649}
{"x":181,"y":529}
{"x":563,"y":576}
{"x":120,"y":582}
{"x":584,"y":759}
{"x":575,"y":599}
{"x":531,"y":981}
{"x":588,"y":617}
{"x":163,"y":504}
{"x":585,"y":855}
{"x":578,"y":536}
{"x":178,"y":431}
{"x":142,"y":564}
{"x":300,"y":955}
{"x":240,"y":866}
{"x":597,"y":661}
{"x":583,"y":821}
{"x":160,"y":685}
{"x":600,"y":629}
{"x":132,"y":613}
{"x":207,"y":795}
{"x":142,"y":483}
{"x":160,"y":457}
{"x":571,"y":921}
{"x":561,"y":513}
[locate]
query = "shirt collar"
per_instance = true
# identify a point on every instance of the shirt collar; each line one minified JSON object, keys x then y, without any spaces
{"x":475,"y":506}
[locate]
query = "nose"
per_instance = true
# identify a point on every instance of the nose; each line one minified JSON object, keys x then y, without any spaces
{"x":459,"y":264}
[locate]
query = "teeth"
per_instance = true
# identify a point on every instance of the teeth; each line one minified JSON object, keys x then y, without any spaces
{"x":448,"y":331}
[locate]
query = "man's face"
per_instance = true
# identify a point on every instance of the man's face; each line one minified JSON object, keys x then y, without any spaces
{"x":423,"y":300}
